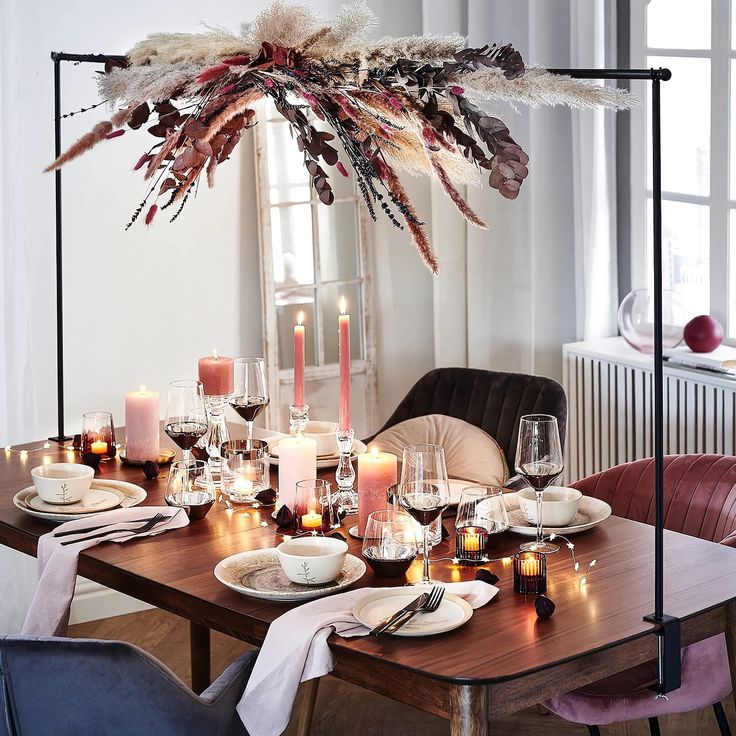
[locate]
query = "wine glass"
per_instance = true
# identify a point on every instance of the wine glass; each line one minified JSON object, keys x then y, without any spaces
{"x":424,"y":491}
{"x":539,"y":462}
{"x":186,"y":416}
{"x":389,"y":543}
{"x":250,"y":395}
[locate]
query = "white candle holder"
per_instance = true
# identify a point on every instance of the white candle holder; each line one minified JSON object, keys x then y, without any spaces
{"x":298,"y":419}
{"x":217,"y":433}
{"x":347,"y":497}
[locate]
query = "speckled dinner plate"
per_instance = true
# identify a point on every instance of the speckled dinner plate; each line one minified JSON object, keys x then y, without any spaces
{"x":258,"y":574}
{"x":591,"y":512}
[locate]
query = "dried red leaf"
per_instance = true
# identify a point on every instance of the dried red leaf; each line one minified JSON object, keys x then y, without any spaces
{"x":203,"y":147}
{"x":139,"y":116}
{"x":195,"y":129}
{"x":341,"y":168}
{"x":212,"y":73}
{"x":142,"y":161}
{"x":169,"y":183}
{"x":242,"y":60}
{"x":151,"y":214}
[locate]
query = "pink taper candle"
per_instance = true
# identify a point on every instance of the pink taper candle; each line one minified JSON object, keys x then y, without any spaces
{"x":141,"y":425}
{"x":216,"y":374}
{"x":376,"y":472}
{"x":299,"y":361}
{"x":344,"y":351}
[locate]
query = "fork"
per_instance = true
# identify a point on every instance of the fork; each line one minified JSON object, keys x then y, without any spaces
{"x":436,"y":594}
{"x":134,"y":531}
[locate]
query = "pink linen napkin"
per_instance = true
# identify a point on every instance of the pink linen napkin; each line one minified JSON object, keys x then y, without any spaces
{"x":48,"y":614}
{"x":295,"y":650}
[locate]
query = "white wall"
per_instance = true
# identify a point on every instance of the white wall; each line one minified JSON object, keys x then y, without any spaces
{"x":141,"y":305}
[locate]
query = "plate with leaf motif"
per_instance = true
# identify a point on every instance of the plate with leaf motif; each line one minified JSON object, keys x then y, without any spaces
{"x":258,"y":574}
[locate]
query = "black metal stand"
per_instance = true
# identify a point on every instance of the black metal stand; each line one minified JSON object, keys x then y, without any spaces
{"x":668,"y":627}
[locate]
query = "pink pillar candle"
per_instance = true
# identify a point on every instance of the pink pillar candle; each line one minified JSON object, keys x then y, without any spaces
{"x":299,"y":330}
{"x":141,"y":425}
{"x":376,"y":472}
{"x":216,"y":374}
{"x":297,"y":461}
{"x":344,"y":351}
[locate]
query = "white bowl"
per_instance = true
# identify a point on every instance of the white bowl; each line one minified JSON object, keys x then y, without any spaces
{"x":559,"y":506}
{"x":323,"y":433}
{"x":62,"y":483}
{"x":312,"y":560}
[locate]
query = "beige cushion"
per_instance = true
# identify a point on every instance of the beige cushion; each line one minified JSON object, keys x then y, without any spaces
{"x":470,"y":453}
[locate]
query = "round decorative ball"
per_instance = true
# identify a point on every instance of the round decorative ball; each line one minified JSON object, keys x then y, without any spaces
{"x":91,"y":459}
{"x":636,"y":320}
{"x":703,"y":334}
{"x":150,"y":469}
{"x":544,"y":606}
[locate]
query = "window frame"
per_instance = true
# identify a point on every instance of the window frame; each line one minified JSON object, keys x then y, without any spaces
{"x":719,"y":200}
{"x":283,"y":378}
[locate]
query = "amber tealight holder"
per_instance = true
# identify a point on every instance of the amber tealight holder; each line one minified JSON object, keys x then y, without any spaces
{"x":316,"y":507}
{"x":470,"y":545}
{"x":98,"y":435}
{"x":530,"y":573}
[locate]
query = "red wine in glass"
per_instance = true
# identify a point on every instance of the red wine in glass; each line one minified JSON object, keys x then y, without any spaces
{"x":185,"y":434}
{"x":249,"y":407}
{"x":388,"y":567}
{"x":423,"y":507}
{"x":539,"y":475}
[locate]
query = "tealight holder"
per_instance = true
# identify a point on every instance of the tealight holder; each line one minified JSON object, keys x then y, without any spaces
{"x":316,"y":508}
{"x":298,"y":419}
{"x":347,"y":497}
{"x":530,"y":573}
{"x":98,"y":435}
{"x":470,"y":545}
{"x":245,"y":473}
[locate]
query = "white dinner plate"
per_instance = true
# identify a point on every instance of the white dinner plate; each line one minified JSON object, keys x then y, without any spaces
{"x":96,"y":499}
{"x":132,"y":496}
{"x":258,"y":574}
{"x":452,"y":613}
{"x":591,"y":512}
{"x":323,"y":461}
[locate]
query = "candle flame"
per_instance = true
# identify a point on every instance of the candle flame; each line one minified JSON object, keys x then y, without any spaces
{"x":343,"y":304}
{"x":214,"y":353}
{"x":143,"y":388}
{"x":300,"y":318}
{"x":374,"y":451}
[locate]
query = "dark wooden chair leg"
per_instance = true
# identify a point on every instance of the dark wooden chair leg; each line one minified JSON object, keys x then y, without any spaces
{"x":304,"y":722}
{"x":593,"y":730}
{"x":654,"y":727}
{"x":199,"y":653}
{"x":721,"y":719}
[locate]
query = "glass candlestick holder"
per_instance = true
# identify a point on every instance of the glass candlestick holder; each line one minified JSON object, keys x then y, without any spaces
{"x":347,"y":497}
{"x":217,"y":434}
{"x":298,"y":419}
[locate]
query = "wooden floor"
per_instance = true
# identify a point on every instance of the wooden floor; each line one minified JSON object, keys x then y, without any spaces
{"x":343,"y":708}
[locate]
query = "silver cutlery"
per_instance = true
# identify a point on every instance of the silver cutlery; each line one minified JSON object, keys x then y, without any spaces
{"x":419,"y":601}
{"x":99,"y":526}
{"x":432,"y":604}
{"x":134,"y":531}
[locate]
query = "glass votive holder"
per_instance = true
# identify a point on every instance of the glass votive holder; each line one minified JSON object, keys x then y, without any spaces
{"x":530,"y":573}
{"x":316,"y":509}
{"x":470,"y":544}
{"x":245,"y":474}
{"x":189,"y":486}
{"x":98,"y":435}
{"x":483,"y":506}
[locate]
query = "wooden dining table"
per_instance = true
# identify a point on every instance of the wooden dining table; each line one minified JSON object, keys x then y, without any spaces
{"x":502,"y":660}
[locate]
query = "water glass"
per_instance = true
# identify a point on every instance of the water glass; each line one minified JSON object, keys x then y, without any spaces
{"x":190,"y":486}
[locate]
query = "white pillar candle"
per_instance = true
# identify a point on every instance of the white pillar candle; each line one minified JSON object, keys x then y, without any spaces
{"x":297,"y":461}
{"x":141,"y":425}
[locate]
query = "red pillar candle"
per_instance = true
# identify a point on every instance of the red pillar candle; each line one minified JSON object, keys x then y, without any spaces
{"x":377,"y":472}
{"x":299,"y":335}
{"x":344,"y":350}
{"x":216,"y":374}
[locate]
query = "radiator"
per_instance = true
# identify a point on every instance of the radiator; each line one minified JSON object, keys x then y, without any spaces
{"x":609,"y":390}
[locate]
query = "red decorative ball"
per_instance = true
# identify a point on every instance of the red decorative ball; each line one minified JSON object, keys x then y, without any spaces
{"x":703,"y":334}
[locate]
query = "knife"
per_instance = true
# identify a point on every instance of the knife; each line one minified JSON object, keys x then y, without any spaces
{"x":416,"y":603}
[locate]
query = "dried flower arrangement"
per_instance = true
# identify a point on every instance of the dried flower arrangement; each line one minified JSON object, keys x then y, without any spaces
{"x":394,"y":104}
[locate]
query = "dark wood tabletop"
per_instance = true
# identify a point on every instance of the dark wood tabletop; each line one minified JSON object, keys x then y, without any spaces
{"x":503,"y":641}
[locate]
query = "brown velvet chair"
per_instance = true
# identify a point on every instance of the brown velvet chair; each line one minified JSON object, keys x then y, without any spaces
{"x":700,"y":500}
{"x":491,"y":400}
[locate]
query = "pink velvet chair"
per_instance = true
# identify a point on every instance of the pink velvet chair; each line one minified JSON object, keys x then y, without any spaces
{"x":700,"y":500}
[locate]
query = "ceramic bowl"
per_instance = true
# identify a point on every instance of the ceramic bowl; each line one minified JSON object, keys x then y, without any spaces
{"x":312,"y":560}
{"x":323,"y":433}
{"x":62,"y":483}
{"x":559,"y":506}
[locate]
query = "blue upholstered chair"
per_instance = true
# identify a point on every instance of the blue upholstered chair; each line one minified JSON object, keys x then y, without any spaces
{"x":81,"y":687}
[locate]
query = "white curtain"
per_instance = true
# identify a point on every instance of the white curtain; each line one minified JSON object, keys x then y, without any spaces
{"x":545,"y":272}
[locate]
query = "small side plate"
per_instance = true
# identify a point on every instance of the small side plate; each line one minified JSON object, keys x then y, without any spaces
{"x":96,"y":499}
{"x":452,"y":613}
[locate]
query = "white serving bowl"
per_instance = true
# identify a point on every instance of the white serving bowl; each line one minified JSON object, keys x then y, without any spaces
{"x":559,"y":506}
{"x":312,"y":560}
{"x":323,"y":433}
{"x":62,"y":483}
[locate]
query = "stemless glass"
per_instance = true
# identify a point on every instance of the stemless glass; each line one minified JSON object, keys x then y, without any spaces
{"x":190,"y":486}
{"x":424,"y":491}
{"x":539,"y":462}
{"x":389,"y":543}
{"x":186,"y":415}
{"x":250,"y":395}
{"x":316,"y":507}
{"x":482,"y":506}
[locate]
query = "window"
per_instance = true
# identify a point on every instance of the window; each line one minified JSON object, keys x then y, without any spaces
{"x":315,"y":255}
{"x":697,"y":42}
